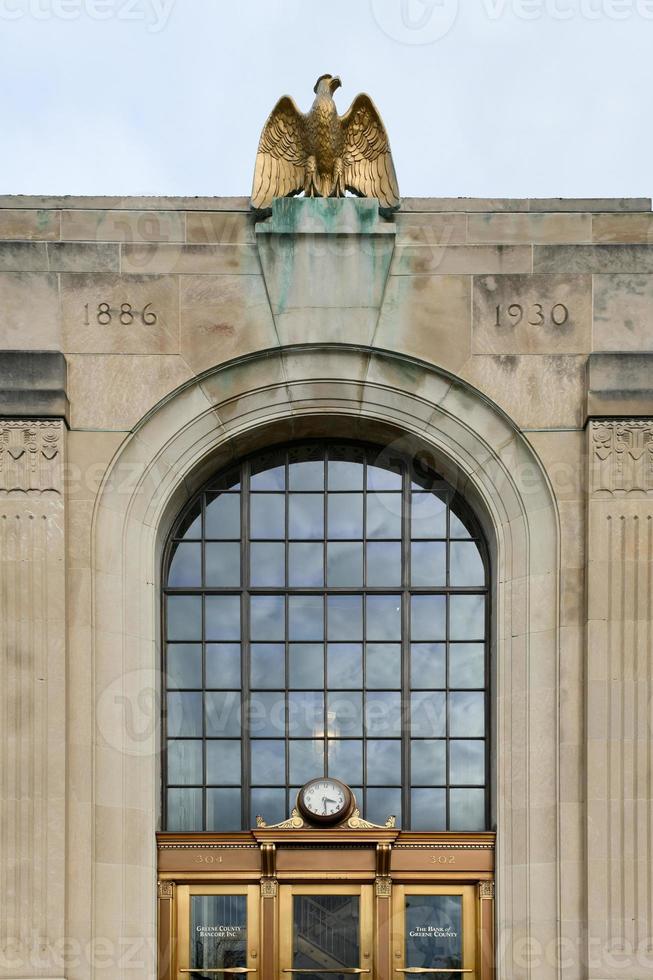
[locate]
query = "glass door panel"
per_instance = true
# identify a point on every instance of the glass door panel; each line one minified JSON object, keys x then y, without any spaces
{"x":218,"y":931}
{"x":435,"y":931}
{"x":326,"y":931}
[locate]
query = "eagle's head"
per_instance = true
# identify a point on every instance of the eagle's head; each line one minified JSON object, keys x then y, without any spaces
{"x":327,"y":85}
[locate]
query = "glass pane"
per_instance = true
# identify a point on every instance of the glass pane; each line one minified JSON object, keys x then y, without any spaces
{"x":467,"y":809}
{"x":345,"y":617}
{"x":379,"y":478}
{"x":223,"y":714}
{"x":428,"y":714}
{"x":267,"y":515}
{"x":383,"y":668}
{"x":434,"y":931}
{"x":306,"y":760}
{"x":306,"y":515}
{"x":223,"y":809}
{"x":227,"y":481}
{"x":428,"y":762}
{"x":345,"y":563}
{"x":428,"y":665}
{"x":218,"y":929}
{"x":184,"y":664}
{"x":306,"y":564}
{"x":384,"y":563}
{"x":428,"y":563}
{"x":346,"y":760}
{"x":190,"y":526}
{"x":306,"y":617}
{"x":270,"y":804}
{"x":428,"y":809}
{"x":306,"y":714}
{"x":184,"y":714}
{"x":223,"y":762}
{"x":456,"y":527}
{"x":345,"y":475}
{"x":467,"y":763}
{"x":428,"y":516}
{"x":269,"y":473}
{"x":223,"y":665}
{"x":345,"y":714}
{"x":345,"y":515}
{"x":326,"y":929}
{"x":467,"y":714}
{"x":184,"y":810}
{"x":383,"y":803}
{"x":467,"y":617}
{"x":185,"y":566}
{"x":184,"y":617}
{"x":223,"y":516}
{"x":268,"y":762}
{"x":383,"y":515}
{"x":222,"y":614}
{"x":267,"y":713}
{"x":345,"y":665}
{"x":267,"y":564}
{"x":467,"y":665}
{"x":383,"y":617}
{"x":185,"y":763}
{"x":306,"y":665}
{"x":267,"y":617}
{"x":383,"y":713}
{"x":466,"y":564}
{"x":223,"y":565}
{"x":383,"y":762}
{"x":306,"y":475}
{"x":268,"y":665}
{"x":428,"y":620}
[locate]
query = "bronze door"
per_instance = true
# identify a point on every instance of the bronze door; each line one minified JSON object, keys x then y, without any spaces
{"x":326,"y":932}
{"x":218,"y":930}
{"x":434,"y":932}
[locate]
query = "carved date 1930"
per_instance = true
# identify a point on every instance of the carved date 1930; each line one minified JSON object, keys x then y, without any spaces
{"x":536,"y":315}
{"x":124,"y":314}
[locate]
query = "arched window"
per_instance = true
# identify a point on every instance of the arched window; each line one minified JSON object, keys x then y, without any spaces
{"x":326,"y":612}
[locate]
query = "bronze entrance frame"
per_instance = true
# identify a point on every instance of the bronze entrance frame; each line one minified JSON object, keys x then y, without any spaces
{"x":383,"y":864}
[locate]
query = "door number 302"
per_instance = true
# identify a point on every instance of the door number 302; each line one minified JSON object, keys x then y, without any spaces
{"x":125,"y":314}
{"x":537,"y":315}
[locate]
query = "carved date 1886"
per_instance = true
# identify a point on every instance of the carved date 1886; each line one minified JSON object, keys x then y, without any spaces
{"x":537,"y":315}
{"x":124,"y":314}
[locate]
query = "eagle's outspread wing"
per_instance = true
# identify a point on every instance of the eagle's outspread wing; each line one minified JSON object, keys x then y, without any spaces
{"x":281,"y":159}
{"x":369,"y":170}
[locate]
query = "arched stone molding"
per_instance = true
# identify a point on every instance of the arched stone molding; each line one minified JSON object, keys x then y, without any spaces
{"x":298,"y":392}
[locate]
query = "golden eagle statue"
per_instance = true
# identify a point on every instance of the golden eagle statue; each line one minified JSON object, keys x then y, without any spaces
{"x":323,"y":154}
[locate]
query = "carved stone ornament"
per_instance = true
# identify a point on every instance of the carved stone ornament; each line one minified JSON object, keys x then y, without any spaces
{"x":30,"y":456}
{"x":297,"y":822}
{"x":621,"y":456}
{"x":322,"y":154}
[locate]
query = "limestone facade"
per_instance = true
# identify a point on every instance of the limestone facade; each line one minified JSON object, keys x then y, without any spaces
{"x":144,"y":342}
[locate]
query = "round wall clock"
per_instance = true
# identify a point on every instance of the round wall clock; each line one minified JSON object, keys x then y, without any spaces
{"x":325,"y":801}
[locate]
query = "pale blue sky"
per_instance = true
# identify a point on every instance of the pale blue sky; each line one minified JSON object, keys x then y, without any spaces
{"x":501,"y":98}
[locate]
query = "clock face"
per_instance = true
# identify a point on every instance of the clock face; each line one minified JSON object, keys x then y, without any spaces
{"x":325,"y":800}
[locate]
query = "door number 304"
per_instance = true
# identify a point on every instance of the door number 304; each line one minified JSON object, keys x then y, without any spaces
{"x":125,"y":314}
{"x":537,"y":315}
